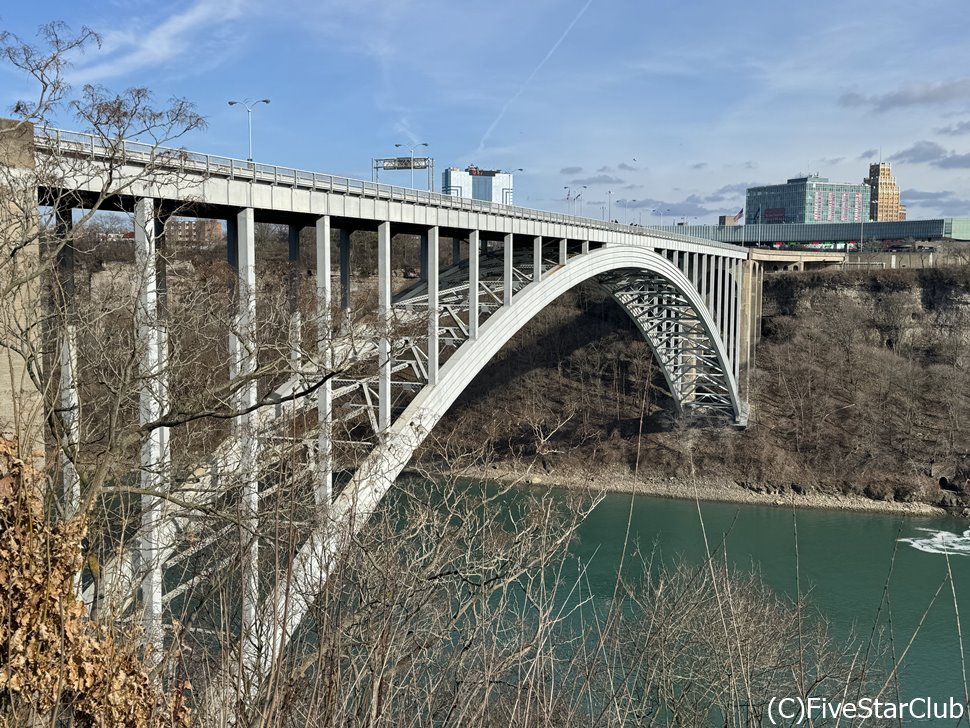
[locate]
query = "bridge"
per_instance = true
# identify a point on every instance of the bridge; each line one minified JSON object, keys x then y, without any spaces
{"x":372,"y":385}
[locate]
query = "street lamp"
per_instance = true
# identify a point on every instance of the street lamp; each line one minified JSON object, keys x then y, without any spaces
{"x":865,"y":210}
{"x":412,"y":147}
{"x":609,"y":205}
{"x":661,"y":211}
{"x":578,"y":198}
{"x":568,"y":211}
{"x":249,"y":114}
{"x":507,"y":191}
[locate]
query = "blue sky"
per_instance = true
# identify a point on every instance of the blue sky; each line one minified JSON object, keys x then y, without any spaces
{"x":675,"y":106}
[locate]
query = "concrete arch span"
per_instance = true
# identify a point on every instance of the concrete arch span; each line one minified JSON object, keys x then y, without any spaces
{"x":665,"y":306}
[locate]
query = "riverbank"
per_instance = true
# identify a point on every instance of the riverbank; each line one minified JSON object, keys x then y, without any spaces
{"x":705,"y":489}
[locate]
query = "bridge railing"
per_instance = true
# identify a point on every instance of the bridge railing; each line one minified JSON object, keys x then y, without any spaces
{"x":63,"y":142}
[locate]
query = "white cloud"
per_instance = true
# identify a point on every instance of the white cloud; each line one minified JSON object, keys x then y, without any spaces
{"x":179,"y":37}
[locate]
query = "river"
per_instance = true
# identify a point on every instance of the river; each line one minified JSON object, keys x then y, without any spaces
{"x":844,"y":558}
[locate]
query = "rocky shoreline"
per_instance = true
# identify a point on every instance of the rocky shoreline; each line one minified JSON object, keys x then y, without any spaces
{"x":705,"y":489}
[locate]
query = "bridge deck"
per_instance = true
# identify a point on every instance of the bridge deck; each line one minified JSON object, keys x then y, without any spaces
{"x":213,"y":181}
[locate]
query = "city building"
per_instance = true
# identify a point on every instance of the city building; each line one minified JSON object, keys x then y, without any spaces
{"x":806,"y":200}
{"x":884,"y":205}
{"x":192,"y":231}
{"x":491,"y":185}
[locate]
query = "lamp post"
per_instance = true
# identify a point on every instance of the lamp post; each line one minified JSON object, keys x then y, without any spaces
{"x":578,"y":198}
{"x":568,"y":211}
{"x":661,"y":211}
{"x":412,"y":147}
{"x":249,"y":115}
{"x":864,"y":210}
{"x":507,"y":191}
{"x":633,"y":204}
{"x":609,"y":205}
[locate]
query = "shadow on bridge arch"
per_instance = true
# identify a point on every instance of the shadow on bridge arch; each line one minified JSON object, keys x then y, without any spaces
{"x":667,"y":309}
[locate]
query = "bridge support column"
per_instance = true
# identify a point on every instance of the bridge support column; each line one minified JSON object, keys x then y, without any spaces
{"x":751,"y":312}
{"x":242,"y":368}
{"x":293,"y":298}
{"x":474,"y":254}
{"x":721,"y":299}
{"x":344,"y":269}
{"x":154,"y":456}
{"x":736,"y":317}
{"x":563,"y":254}
{"x":537,"y":259}
{"x":507,"y":270}
{"x":730,"y":315}
{"x":64,"y":302}
{"x":718,"y":295}
{"x":585,"y":248}
{"x":423,"y":257}
{"x":707,"y":276}
{"x":746,"y":317}
{"x":729,"y":303}
{"x":455,"y":251}
{"x":759,"y":299}
{"x":384,"y":324}
{"x":324,"y":480}
{"x":21,"y":403}
{"x":725,"y":304}
{"x":431,"y":245}
{"x":705,"y":281}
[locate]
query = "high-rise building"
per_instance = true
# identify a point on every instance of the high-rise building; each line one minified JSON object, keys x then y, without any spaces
{"x":491,"y":185}
{"x":811,"y":199}
{"x":884,"y":202}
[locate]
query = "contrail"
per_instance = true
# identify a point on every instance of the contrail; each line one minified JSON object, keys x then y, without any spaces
{"x":555,"y":46}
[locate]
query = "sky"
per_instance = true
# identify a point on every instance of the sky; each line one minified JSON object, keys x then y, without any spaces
{"x":644,"y":107}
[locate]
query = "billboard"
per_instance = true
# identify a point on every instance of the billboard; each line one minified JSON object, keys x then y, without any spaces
{"x":403,"y":163}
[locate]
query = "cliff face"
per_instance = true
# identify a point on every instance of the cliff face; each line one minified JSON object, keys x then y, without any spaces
{"x":862,"y":385}
{"x":864,"y":379}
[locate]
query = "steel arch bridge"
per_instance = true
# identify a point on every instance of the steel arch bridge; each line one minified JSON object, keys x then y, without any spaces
{"x":658,"y":297}
{"x":383,"y":385}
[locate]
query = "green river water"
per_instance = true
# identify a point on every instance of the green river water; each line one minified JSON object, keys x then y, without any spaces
{"x":845,"y":558}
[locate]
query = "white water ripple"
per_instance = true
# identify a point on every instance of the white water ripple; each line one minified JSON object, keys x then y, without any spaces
{"x":941,"y":542}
